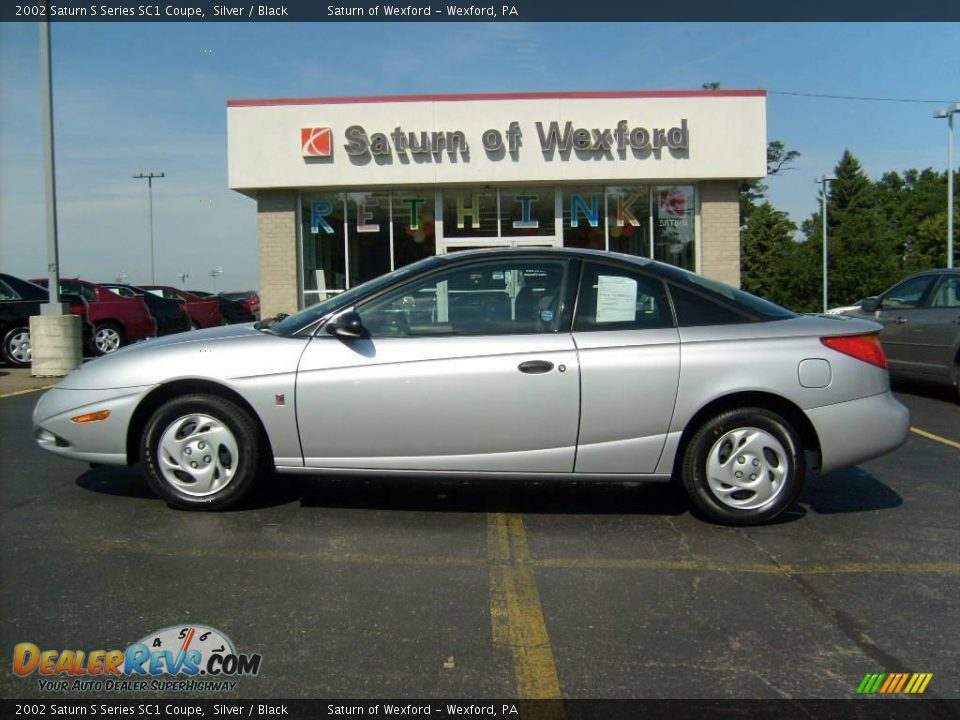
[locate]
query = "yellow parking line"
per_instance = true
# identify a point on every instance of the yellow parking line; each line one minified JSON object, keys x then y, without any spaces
{"x":503,"y":552}
{"x":25,"y":392}
{"x":931,"y":436}
{"x":747,"y":568}
{"x":515,"y":611}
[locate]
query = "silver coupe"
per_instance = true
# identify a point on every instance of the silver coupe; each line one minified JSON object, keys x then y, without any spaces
{"x":526,"y":363}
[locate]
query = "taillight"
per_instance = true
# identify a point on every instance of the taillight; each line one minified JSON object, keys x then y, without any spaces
{"x":862,"y":347}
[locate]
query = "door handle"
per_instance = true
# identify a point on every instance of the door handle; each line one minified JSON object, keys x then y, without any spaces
{"x":535,"y":367}
{"x":900,"y":320}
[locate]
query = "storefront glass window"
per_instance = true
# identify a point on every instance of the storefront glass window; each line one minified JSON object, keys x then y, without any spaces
{"x":324,"y":261}
{"x":527,"y":212}
{"x":674,"y":207}
{"x":583,"y":221}
{"x":368,"y":232}
{"x":414,"y":235}
{"x":628,"y":219}
{"x":469,"y":213}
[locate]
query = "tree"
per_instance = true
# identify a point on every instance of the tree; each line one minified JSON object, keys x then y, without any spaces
{"x":863,"y":251}
{"x":779,"y":160}
{"x":766,"y":253}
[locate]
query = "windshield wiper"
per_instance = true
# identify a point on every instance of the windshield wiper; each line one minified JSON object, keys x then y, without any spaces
{"x":265,"y":325}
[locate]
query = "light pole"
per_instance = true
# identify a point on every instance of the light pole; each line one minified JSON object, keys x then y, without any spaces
{"x":183,"y":280}
{"x":823,"y":180}
{"x":214,"y":273}
{"x":150,"y":176}
{"x":948,"y":113}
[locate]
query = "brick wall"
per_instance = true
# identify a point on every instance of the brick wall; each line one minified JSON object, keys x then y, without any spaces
{"x":720,"y":231}
{"x":277,"y":230}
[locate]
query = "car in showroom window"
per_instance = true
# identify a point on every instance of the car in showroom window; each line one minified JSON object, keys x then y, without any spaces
{"x":557,"y":364}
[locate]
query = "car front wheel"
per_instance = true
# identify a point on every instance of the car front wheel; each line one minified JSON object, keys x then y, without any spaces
{"x":201,"y":452}
{"x":743,"y":467}
{"x":17,"y":349}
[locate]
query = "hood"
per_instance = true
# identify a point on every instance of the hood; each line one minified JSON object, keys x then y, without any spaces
{"x":221,"y":354}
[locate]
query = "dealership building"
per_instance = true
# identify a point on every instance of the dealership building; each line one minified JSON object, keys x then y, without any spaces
{"x":350,"y":188}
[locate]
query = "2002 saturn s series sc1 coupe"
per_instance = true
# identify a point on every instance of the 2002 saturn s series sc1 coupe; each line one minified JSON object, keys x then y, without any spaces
{"x":524,"y":363}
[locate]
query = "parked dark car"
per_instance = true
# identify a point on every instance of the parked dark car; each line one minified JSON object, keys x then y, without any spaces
{"x":171,"y":315}
{"x":19,"y":301}
{"x":231,"y":311}
{"x":248,"y":298}
{"x":117,"y":321}
{"x":921,"y":326}
{"x":203,"y":312}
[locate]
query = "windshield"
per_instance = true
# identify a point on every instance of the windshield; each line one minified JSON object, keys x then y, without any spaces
{"x":300,"y":320}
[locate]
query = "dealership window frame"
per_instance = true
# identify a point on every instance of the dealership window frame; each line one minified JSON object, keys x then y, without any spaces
{"x":445,"y":245}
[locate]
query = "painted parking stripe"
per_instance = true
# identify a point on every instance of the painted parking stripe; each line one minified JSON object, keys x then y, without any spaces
{"x":515,"y":611}
{"x":499,"y":553}
{"x":931,"y":436}
{"x":26,"y":392}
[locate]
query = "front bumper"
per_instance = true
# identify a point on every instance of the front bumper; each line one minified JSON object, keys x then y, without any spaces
{"x":103,"y":442}
{"x":854,"y":431}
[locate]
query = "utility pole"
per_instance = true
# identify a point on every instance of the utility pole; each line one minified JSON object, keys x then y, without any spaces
{"x":150,"y":176}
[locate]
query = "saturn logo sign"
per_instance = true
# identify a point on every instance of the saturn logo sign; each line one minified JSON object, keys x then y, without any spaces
{"x":316,"y":142}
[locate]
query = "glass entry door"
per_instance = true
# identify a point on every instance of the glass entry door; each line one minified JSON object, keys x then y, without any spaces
{"x":515,"y":216}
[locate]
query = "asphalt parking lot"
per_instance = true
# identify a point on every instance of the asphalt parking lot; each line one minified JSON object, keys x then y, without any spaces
{"x":366,"y":589}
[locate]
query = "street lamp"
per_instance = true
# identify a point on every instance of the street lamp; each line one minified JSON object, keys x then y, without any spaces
{"x":948,"y":113}
{"x":183,"y":280}
{"x":214,"y":273}
{"x":150,"y":176}
{"x":823,"y":180}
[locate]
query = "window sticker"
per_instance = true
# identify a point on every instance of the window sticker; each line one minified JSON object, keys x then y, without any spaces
{"x":616,"y":299}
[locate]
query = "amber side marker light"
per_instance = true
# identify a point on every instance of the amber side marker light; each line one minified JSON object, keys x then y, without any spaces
{"x":91,"y":417}
{"x":863,"y":347}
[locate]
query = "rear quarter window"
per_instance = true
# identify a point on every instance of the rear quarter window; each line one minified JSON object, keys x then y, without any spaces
{"x":700,"y":301}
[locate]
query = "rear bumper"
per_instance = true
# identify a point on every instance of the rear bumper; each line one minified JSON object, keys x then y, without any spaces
{"x":858,"y":430}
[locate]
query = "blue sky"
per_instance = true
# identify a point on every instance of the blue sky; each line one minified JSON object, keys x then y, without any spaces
{"x":131,"y":97}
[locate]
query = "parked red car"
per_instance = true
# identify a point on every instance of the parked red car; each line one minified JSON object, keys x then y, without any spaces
{"x":116,"y":320}
{"x":248,"y":298}
{"x":203,"y":312}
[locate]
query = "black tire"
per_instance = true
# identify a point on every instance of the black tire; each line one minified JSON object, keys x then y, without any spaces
{"x":107,"y":337}
{"x":194,"y":423}
{"x":768,"y":448}
{"x":17,"y":349}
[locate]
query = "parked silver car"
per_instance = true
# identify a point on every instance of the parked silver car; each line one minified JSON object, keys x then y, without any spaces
{"x":921,"y":326}
{"x":526,"y":363}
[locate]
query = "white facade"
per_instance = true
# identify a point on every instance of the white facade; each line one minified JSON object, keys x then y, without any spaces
{"x":725,"y":137}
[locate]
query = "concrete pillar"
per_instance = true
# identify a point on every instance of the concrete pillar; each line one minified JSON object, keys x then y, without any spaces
{"x":56,"y":342}
{"x":720,"y":231}
{"x":277,"y":230}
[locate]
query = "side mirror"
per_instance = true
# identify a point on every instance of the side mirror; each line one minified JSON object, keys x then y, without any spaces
{"x":870,"y":304}
{"x":347,"y":325}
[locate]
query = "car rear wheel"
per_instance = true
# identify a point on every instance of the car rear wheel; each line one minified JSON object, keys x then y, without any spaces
{"x":201,"y":452}
{"x":743,"y":467}
{"x":17,"y":349}
{"x":108,"y":338}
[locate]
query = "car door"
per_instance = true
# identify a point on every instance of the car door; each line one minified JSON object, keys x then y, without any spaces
{"x":902,"y":337}
{"x":472,"y":368}
{"x":934,"y":328}
{"x":629,"y":351}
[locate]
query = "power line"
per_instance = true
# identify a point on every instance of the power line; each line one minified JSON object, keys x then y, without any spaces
{"x":855,"y":97}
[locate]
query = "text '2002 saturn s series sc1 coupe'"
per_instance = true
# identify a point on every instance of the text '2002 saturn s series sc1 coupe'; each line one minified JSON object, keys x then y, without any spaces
{"x":542,"y":364}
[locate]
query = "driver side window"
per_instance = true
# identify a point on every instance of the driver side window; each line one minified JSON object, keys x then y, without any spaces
{"x":502,"y":297}
{"x":908,"y":295}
